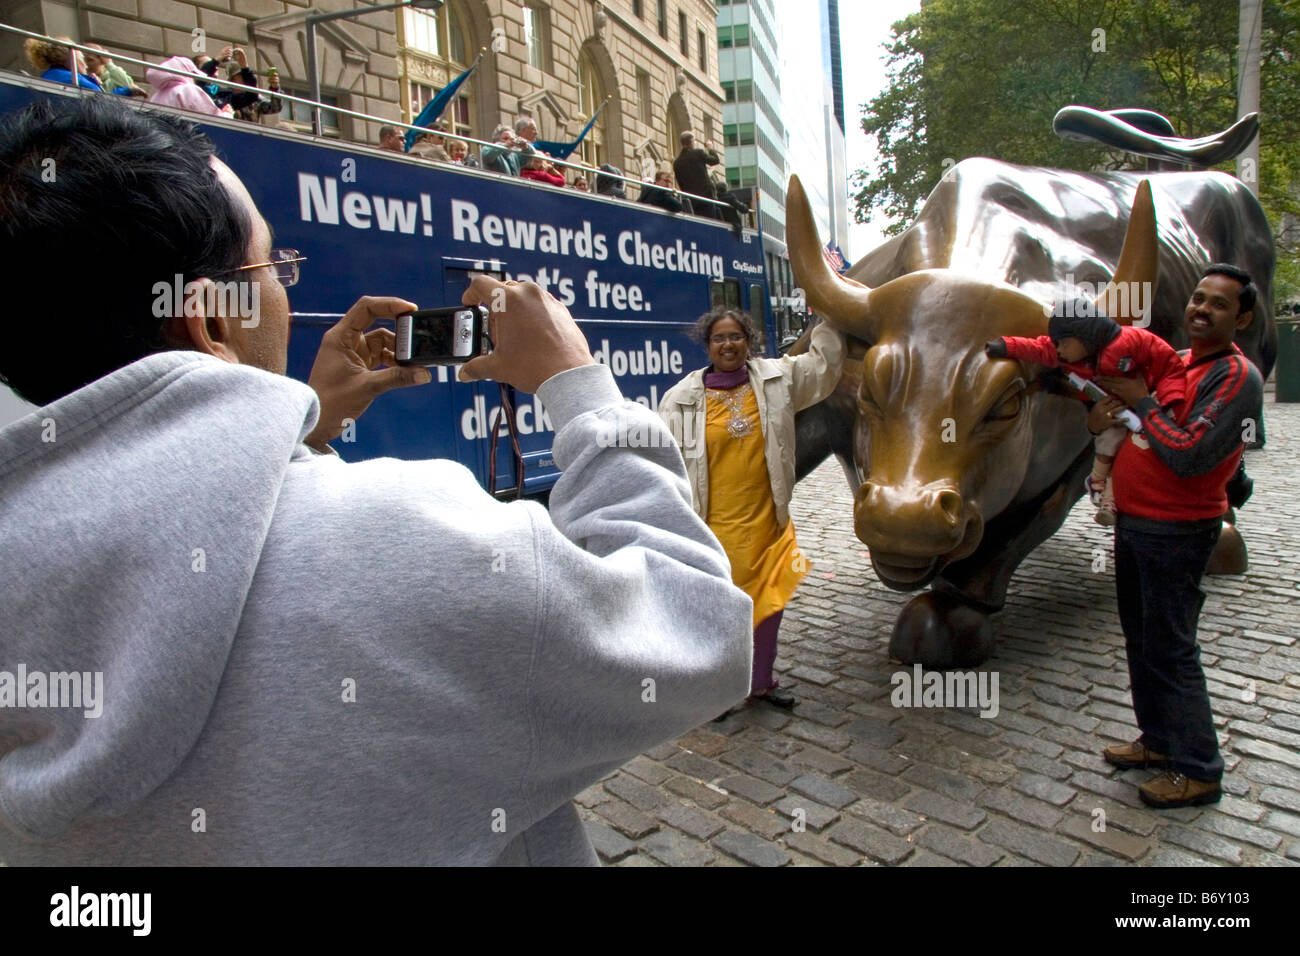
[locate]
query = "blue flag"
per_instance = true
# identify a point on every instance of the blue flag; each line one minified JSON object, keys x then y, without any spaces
{"x":438,"y":104}
{"x":564,"y":150}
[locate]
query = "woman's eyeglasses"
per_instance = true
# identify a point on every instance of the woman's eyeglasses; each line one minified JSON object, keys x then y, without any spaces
{"x":722,"y":338}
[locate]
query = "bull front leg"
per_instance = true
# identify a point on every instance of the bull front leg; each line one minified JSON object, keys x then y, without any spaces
{"x":951,"y":624}
{"x":822,"y":430}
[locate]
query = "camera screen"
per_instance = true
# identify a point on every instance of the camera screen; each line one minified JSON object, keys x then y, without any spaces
{"x":437,"y":336}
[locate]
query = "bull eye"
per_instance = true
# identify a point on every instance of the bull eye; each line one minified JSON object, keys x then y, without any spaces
{"x":1008,"y":406}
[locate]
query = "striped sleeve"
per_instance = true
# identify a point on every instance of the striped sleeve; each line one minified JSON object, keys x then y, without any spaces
{"x":1229,"y":396}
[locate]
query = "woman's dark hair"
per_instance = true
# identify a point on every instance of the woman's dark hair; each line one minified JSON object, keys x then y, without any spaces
{"x":703,"y":327}
{"x":99,"y":202}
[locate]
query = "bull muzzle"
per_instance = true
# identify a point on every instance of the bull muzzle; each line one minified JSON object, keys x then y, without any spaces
{"x":913,"y":532}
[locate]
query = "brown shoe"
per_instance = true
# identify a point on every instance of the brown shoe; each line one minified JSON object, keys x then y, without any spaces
{"x":1170,"y":790}
{"x":1134,"y":756}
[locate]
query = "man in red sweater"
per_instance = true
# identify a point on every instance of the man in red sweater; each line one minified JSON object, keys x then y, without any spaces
{"x":1170,"y":491}
{"x":1082,"y":339}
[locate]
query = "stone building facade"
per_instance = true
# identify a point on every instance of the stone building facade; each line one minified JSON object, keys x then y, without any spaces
{"x":654,"y":61}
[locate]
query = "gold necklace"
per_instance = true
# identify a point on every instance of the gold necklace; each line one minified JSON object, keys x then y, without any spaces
{"x":738,"y":425}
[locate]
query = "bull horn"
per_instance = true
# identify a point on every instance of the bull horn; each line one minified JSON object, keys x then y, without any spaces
{"x":842,"y":302}
{"x":1127,"y":298}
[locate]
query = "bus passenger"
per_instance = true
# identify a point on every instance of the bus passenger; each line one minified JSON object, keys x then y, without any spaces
{"x":541,"y":170}
{"x":507,"y":153}
{"x":52,"y":59}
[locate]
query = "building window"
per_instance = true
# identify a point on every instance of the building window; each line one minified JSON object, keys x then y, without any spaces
{"x":537,"y":35}
{"x":443,"y":42}
{"x":456,"y":115}
{"x":456,"y":34}
{"x":422,"y":31}
{"x":741,"y":91}
{"x":644,"y":102}
{"x":661,"y":9}
{"x":703,"y":51}
{"x":421,"y":94}
{"x":590,"y":95}
{"x":735,"y":35}
{"x":637,"y":10}
{"x":742,"y":176}
{"x":738,"y":134}
{"x":299,"y":114}
{"x":683,"y":37}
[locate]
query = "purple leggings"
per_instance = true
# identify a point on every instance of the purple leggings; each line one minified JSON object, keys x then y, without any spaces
{"x":765,"y":653}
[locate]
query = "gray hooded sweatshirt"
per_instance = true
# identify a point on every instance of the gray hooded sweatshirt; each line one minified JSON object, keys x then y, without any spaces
{"x":304,"y":661}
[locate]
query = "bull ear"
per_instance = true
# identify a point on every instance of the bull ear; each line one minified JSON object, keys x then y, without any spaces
{"x":842,"y":302}
{"x":1128,"y":297}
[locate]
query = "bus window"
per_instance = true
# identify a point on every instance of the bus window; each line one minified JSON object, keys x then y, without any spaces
{"x":458,"y":273}
{"x":724,"y":292}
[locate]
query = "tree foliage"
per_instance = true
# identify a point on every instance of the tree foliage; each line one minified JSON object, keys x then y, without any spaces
{"x":985,"y":78}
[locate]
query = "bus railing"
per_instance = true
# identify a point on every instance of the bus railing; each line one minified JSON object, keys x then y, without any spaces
{"x":587,"y":171}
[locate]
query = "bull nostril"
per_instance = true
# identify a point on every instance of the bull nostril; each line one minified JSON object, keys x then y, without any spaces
{"x":951,"y":504}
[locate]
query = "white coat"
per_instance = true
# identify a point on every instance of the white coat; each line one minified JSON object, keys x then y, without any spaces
{"x":782,"y":387}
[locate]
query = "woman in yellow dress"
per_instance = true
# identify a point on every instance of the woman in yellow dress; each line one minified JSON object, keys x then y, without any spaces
{"x":734,"y":421}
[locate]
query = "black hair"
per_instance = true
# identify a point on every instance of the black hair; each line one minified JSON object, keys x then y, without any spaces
{"x":99,"y":202}
{"x":1080,"y":318}
{"x":703,"y":327}
{"x":608,"y":185}
{"x":1246,"y":297}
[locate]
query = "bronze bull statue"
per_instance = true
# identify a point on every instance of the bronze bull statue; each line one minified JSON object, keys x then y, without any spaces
{"x":960,"y":465}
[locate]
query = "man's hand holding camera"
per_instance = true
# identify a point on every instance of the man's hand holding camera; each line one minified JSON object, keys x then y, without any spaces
{"x":345,"y":375}
{"x":534,"y":337}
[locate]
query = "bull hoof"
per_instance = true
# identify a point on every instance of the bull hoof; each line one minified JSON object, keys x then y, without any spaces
{"x":939,"y":631}
{"x":1229,"y":555}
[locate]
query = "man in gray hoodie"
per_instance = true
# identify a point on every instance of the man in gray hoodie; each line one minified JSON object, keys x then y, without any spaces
{"x":222,"y":645}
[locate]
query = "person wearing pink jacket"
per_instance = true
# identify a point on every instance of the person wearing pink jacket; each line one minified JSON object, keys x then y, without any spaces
{"x":173,"y":90}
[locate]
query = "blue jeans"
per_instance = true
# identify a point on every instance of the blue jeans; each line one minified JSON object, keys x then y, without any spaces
{"x":1158,"y":571}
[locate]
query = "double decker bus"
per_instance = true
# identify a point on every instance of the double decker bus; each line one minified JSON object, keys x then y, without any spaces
{"x":372,"y":222}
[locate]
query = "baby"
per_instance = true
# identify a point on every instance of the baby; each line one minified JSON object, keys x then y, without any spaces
{"x":1082,"y":340}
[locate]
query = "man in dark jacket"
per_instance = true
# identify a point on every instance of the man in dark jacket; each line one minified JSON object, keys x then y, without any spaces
{"x":235,"y":62}
{"x":663,"y":195}
{"x":1170,"y":492}
{"x":692,"y":169}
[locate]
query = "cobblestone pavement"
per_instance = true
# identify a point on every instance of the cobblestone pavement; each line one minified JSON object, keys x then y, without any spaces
{"x":848,"y":779}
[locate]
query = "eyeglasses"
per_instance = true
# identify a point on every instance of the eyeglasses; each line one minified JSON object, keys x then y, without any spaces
{"x":723,"y":338}
{"x":284,"y":265}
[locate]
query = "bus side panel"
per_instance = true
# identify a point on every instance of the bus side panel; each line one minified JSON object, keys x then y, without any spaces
{"x":374,"y":224}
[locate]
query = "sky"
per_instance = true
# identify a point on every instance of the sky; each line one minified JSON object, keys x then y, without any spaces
{"x":864,"y":27}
